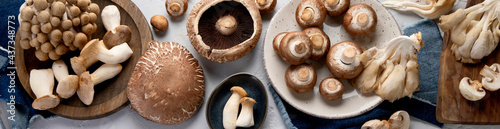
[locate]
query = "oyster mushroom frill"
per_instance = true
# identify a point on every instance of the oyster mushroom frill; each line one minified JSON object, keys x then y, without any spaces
{"x":392,"y":72}
{"x":224,"y":31}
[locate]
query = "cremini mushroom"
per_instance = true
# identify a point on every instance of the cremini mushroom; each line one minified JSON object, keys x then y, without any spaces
{"x":320,"y":42}
{"x":230,"y":111}
{"x":266,"y":6}
{"x":400,"y":120}
{"x":245,"y":119}
{"x":42,"y":85}
{"x":491,"y":77}
{"x":88,"y":81}
{"x":331,"y":88}
{"x":343,"y":60}
{"x":300,"y":78}
{"x":96,"y":51}
{"x":471,"y":90}
{"x":176,"y":8}
{"x":360,"y":20}
{"x":67,"y":84}
{"x":310,"y":13}
{"x":295,"y":47}
{"x":336,"y":7}
{"x":159,"y":23}
{"x":277,"y":41}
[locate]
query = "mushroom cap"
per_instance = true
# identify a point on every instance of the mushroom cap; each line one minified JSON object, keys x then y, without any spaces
{"x":266,"y":6}
{"x":295,"y":48}
{"x":179,"y":8}
{"x":67,"y":87}
{"x":239,"y":90}
{"x":277,"y":41}
{"x":167,"y":85}
{"x":121,"y":34}
{"x":471,"y":90}
{"x":248,"y":100}
{"x":317,"y":17}
{"x":400,"y":120}
{"x":86,"y":88}
{"x":352,"y":20}
{"x":58,"y":8}
{"x":331,"y":88}
{"x":300,"y":78}
{"x":340,"y":68}
{"x":46,"y":102}
{"x":320,"y":42}
{"x":214,"y":46}
{"x":159,"y":23}
{"x":337,"y":8}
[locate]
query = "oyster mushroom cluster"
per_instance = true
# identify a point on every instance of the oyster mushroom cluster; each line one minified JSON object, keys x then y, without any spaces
{"x":55,"y":27}
{"x":473,"y":90}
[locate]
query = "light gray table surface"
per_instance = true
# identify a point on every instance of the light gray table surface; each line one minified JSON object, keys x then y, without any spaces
{"x":128,"y":118}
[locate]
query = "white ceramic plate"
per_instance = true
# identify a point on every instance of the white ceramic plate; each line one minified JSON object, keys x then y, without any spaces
{"x":353,"y":102}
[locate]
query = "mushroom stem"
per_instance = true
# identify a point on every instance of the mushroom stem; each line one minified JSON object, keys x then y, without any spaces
{"x":110,"y":17}
{"x":299,"y":48}
{"x":261,"y":2}
{"x":226,"y":25}
{"x":67,"y":84}
{"x":362,"y":18}
{"x":317,"y":40}
{"x":348,"y":55}
{"x":42,"y":85}
{"x":303,"y":73}
{"x":230,"y":112}
{"x":88,"y":81}
{"x":332,"y":2}
{"x":245,"y":119}
{"x":175,"y":7}
{"x":307,"y":14}
{"x":400,"y":120}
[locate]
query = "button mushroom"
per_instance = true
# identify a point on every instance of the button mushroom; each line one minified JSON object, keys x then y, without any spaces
{"x":277,"y":41}
{"x":295,"y":48}
{"x":245,"y":119}
{"x":320,"y":42}
{"x":88,"y":81}
{"x":220,"y":45}
{"x":491,"y":77}
{"x":176,"y":8}
{"x":159,"y":23}
{"x":266,"y":6}
{"x":42,"y":85}
{"x":376,"y":124}
{"x":360,"y":20}
{"x":117,"y":34}
{"x":336,"y":7}
{"x":400,"y":120}
{"x":471,"y":90}
{"x":343,"y":60}
{"x":230,"y":111}
{"x":331,"y":89}
{"x":68,"y":84}
{"x":310,"y":13}
{"x":96,"y":51}
{"x":300,"y":78}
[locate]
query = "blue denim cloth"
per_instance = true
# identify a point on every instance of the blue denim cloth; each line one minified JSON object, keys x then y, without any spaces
{"x":422,"y":105}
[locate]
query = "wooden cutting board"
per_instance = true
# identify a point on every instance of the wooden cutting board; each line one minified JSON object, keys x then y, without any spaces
{"x":451,"y":106}
{"x":110,"y":96}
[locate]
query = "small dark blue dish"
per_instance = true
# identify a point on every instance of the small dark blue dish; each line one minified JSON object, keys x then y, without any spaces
{"x":254,"y":88}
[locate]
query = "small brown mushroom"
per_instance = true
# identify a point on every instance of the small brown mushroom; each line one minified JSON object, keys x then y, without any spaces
{"x":66,"y":24}
{"x":336,"y":7}
{"x":343,"y":60}
{"x":34,"y":42}
{"x":83,"y":4}
{"x":277,"y":41}
{"x":88,"y":29}
{"x":46,"y":47}
{"x":295,"y":48}
{"x":360,"y":20}
{"x":266,"y":6}
{"x":35,"y":29}
{"x":93,"y":17}
{"x":310,"y":13}
{"x":94,"y":8}
{"x":41,"y":55}
{"x":43,"y":16}
{"x":84,"y":19}
{"x":25,"y":26}
{"x":41,"y":37}
{"x":331,"y":89}
{"x":121,"y":34}
{"x":46,"y":28}
{"x":40,"y":4}
{"x":27,"y":13}
{"x":34,"y":20}
{"x":61,"y":49}
{"x":300,"y":78}
{"x":320,"y":42}
{"x":56,"y":36}
{"x":25,"y":44}
{"x":76,"y":21}
{"x":55,"y":21}
{"x":176,"y":8}
{"x":72,"y":2}
{"x":80,"y":40}
{"x":58,"y":9}
{"x":68,"y":37}
{"x":74,"y":11}
{"x":53,"y":55}
{"x":159,"y":23}
{"x":25,"y":34}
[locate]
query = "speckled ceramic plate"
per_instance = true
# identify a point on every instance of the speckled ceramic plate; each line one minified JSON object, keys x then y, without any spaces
{"x":353,"y":102}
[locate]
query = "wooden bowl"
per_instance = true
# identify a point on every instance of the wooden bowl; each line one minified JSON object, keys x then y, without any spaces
{"x":110,"y":96}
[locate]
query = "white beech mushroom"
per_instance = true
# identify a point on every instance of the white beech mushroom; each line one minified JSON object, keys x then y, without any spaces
{"x":277,"y":41}
{"x":67,"y":84}
{"x":96,"y":51}
{"x":310,"y":13}
{"x":360,"y":20}
{"x":230,"y":111}
{"x":245,"y":119}
{"x":331,"y":88}
{"x":117,"y":34}
{"x":391,"y":72}
{"x":159,"y":23}
{"x":295,"y":47}
{"x":300,"y":78}
{"x":320,"y":42}
{"x":88,"y":81}
{"x":471,"y":90}
{"x":266,"y":6}
{"x":474,"y":32}
{"x":400,"y":120}
{"x":42,"y":85}
{"x":176,"y":8}
{"x":491,"y":77}
{"x":343,"y":60}
{"x":432,"y":10}
{"x":336,"y":7}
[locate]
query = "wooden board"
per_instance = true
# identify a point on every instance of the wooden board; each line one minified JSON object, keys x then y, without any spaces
{"x":451,"y":106}
{"x":110,"y":96}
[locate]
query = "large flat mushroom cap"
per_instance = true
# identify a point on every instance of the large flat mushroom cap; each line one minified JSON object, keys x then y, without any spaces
{"x":167,"y":85}
{"x":218,"y":47}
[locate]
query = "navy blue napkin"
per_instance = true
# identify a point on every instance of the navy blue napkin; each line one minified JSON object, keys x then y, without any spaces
{"x":422,"y":105}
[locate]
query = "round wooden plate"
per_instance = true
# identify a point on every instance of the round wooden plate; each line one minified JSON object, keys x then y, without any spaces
{"x":110,"y":96}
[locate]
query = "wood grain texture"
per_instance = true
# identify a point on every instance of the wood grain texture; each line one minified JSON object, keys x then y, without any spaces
{"x":110,"y":96}
{"x":451,"y":106}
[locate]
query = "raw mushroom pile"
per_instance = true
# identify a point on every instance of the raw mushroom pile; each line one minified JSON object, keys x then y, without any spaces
{"x":392,"y":72}
{"x":54,"y":27}
{"x":474,"y":31}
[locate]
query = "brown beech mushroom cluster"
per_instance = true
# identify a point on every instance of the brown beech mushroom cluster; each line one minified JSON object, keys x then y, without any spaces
{"x":360,"y":20}
{"x":300,"y":78}
{"x":473,"y":90}
{"x":176,"y":8}
{"x":230,"y":117}
{"x":310,"y":13}
{"x":398,"y":120}
{"x":336,"y":7}
{"x":266,"y":6}
{"x":343,"y":60}
{"x":56,"y":27}
{"x":331,"y":88}
{"x":223,"y":31}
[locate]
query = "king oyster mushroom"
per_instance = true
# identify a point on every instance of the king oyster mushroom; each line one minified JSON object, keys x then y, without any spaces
{"x":300,"y":78}
{"x":310,"y":13}
{"x":223,"y":31}
{"x":320,"y":42}
{"x":343,"y":60}
{"x":360,"y":20}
